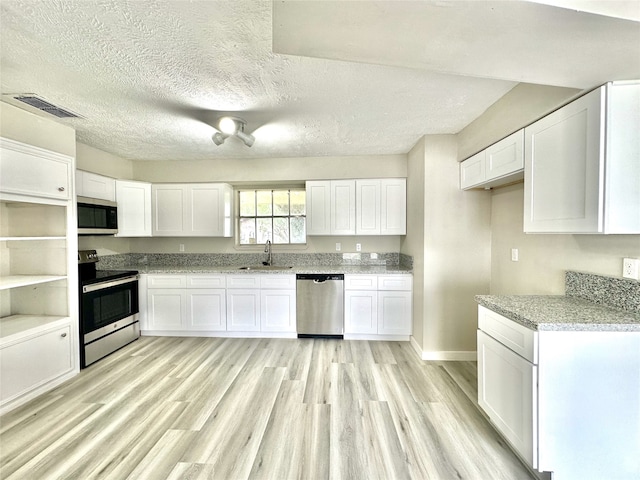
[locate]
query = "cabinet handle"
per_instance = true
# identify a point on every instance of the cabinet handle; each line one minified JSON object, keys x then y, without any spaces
{"x":63,"y":335}
{"x":61,"y":189}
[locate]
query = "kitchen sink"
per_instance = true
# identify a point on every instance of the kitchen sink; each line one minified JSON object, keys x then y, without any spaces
{"x":265,"y":267}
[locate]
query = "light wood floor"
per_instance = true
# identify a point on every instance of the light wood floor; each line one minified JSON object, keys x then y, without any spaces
{"x":198,"y":408}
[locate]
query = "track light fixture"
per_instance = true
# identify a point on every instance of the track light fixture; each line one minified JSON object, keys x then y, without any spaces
{"x":232,"y":126}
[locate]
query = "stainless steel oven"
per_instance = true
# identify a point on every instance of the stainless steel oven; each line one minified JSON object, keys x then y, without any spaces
{"x":109,"y":308}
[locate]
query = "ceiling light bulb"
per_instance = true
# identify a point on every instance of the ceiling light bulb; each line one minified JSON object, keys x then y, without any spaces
{"x":246,"y":138}
{"x":218,"y":138}
{"x":228,"y":125}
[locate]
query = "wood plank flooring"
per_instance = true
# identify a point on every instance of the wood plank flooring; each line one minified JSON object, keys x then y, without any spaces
{"x":216,"y":408}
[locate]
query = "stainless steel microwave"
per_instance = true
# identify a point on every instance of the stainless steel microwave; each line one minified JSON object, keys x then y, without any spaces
{"x":97,"y":217}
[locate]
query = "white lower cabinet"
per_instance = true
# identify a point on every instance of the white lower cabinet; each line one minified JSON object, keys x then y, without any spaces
{"x":568,"y":402}
{"x":378,"y":305}
{"x":361,"y":311}
{"x":166,"y":309}
{"x":394,"y":313}
{"x":207,"y":309}
{"x":278,"y":303}
{"x":215,"y":303}
{"x":34,"y":361}
{"x":243,"y":310}
{"x":507,"y":392}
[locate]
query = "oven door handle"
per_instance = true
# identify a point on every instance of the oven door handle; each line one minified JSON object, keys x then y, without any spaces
{"x":113,"y":283}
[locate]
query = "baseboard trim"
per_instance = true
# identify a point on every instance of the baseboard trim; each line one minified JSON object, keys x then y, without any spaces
{"x":457,"y":356}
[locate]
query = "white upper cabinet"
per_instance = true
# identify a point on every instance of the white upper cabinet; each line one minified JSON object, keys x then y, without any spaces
{"x":393,"y":206}
{"x":192,"y":210}
{"x":582,"y":165}
{"x":95,"y":186}
{"x":134,"y":208}
{"x":331,"y":207}
{"x":343,"y":207}
{"x":33,"y":171}
{"x":368,"y":207}
{"x":498,"y":164}
{"x":318,"y":193}
{"x":357,"y":207}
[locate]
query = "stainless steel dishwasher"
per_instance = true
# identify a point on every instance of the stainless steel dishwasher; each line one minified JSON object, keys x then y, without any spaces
{"x":320,"y":305}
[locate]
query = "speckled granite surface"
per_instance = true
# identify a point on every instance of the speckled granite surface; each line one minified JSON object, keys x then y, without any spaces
{"x":548,"y":312}
{"x":592,"y":302}
{"x":613,"y":292}
{"x":353,"y":263}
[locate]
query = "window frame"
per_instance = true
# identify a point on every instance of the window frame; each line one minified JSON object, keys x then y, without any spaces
{"x":271,"y":188}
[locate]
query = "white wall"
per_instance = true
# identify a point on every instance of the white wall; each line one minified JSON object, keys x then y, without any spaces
{"x":453,"y":247}
{"x":413,"y":242}
{"x":255,"y":170}
{"x":104,"y":163}
{"x":522,"y":105}
{"x":32,"y":129}
{"x":543,"y":259}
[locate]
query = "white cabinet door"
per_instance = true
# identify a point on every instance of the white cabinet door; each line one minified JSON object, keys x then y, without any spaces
{"x":368,"y":214}
{"x":35,"y":361}
{"x":206,"y":309}
{"x":360,"y":311}
{"x":394,"y":313}
{"x":506,"y":156}
{"x":169,"y":210}
{"x":33,"y":171}
{"x":507,"y":392}
{"x":243,"y":310}
{"x":393,"y":206}
{"x":343,"y":207}
{"x":206,"y":210}
{"x":166,"y":308}
{"x":134,"y":208}
{"x":318,"y":203}
{"x":92,"y":185}
{"x":278,"y":310}
{"x":473,"y":171}
{"x":564,"y":169}
{"x":192,"y":210}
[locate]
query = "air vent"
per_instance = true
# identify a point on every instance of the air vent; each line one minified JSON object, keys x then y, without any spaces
{"x":44,"y":106}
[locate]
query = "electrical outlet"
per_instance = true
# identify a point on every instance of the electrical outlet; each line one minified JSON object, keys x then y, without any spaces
{"x":181,"y":247}
{"x":514,"y":254}
{"x":374,"y":256}
{"x":338,"y":246}
{"x":358,"y":247}
{"x":630,"y":268}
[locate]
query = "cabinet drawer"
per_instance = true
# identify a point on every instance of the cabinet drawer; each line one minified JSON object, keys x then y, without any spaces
{"x":395,"y":282}
{"x":167,"y":281}
{"x":360,"y":282}
{"x":278,"y":281}
{"x":243,"y":281}
{"x":206,"y":281}
{"x":514,"y":336}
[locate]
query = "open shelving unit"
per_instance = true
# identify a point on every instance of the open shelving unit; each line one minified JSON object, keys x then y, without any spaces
{"x":38,"y":272}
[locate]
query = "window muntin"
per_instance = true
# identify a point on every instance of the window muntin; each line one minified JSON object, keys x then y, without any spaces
{"x":278,"y":215}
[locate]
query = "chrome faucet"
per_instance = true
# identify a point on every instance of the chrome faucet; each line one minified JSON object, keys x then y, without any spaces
{"x":267,"y":250}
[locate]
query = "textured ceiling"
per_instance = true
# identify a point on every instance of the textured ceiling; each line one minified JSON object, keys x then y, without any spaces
{"x":150,"y":77}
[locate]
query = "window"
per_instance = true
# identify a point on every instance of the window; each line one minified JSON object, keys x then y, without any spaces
{"x":276,"y":215}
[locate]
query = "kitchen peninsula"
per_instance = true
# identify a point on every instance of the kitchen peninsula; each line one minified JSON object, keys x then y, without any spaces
{"x":559,"y":376}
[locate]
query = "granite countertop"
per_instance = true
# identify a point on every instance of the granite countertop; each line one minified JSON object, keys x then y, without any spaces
{"x":349,"y":269}
{"x":561,"y":313}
